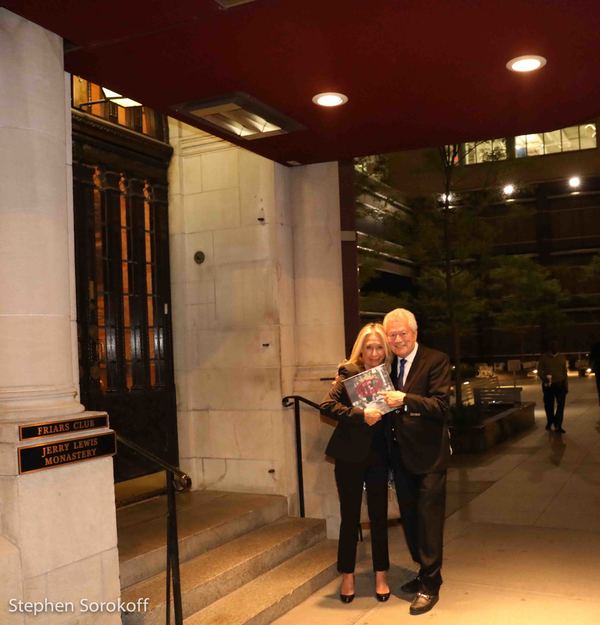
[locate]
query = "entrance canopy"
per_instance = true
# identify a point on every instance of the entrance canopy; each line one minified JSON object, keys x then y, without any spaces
{"x":416,"y":72}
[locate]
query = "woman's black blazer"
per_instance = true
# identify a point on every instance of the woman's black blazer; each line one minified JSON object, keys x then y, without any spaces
{"x":351,"y":439}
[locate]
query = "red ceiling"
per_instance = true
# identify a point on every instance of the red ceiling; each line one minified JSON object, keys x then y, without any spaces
{"x":417,"y":72}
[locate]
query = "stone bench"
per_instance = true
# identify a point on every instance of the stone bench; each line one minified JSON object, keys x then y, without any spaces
{"x":493,"y":429}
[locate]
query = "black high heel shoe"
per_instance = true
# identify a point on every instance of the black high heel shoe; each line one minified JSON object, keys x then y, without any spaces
{"x":347,"y":598}
{"x":381,"y":596}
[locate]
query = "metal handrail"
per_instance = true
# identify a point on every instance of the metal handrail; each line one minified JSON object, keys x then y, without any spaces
{"x":183,"y":479}
{"x":296,"y":400}
{"x":287,"y":401}
{"x":178,"y":481}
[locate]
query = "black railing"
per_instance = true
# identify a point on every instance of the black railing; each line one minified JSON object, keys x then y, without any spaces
{"x":296,"y":400}
{"x":287,"y":402}
{"x":178,"y":481}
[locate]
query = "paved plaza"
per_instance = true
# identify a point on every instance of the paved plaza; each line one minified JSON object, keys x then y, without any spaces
{"x":522,"y":534}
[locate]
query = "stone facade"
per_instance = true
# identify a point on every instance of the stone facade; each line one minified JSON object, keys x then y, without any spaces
{"x":58,"y":540}
{"x":259,"y":319}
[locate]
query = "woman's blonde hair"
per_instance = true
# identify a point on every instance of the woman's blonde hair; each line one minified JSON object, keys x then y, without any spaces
{"x":361,"y":339}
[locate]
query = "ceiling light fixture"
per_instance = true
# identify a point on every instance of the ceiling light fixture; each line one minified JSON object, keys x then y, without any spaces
{"x":508,"y":189}
{"x":229,"y":4}
{"x":526,"y":63}
{"x":240,"y":116}
{"x":574,"y":182}
{"x":330,"y":98}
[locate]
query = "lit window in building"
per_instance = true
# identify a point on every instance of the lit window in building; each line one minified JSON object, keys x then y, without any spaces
{"x":587,"y":136}
{"x":485,"y":151}
{"x":569,"y":139}
{"x":552,"y":142}
{"x":91,"y":98}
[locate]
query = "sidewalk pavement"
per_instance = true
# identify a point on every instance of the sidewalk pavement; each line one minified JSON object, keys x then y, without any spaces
{"x":522,"y":539}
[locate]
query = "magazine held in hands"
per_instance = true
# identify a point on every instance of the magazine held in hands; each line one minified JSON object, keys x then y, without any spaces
{"x":364,"y":388}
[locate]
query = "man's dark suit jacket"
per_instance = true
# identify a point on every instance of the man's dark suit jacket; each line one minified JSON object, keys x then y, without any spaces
{"x":421,"y":425}
{"x":351,"y":439}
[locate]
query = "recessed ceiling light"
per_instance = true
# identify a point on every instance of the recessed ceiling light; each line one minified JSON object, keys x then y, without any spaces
{"x":508,"y":189}
{"x":574,"y":182}
{"x":330,"y":98}
{"x":526,"y":63}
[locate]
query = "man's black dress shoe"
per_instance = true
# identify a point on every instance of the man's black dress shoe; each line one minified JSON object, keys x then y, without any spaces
{"x":346,"y":598}
{"x":411,"y":587}
{"x":548,"y":426}
{"x":560,"y":431}
{"x":423,"y":603}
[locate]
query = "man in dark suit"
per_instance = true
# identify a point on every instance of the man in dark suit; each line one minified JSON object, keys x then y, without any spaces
{"x":417,"y":432}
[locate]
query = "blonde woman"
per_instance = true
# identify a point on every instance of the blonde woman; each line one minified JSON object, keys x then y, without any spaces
{"x":359,"y":448}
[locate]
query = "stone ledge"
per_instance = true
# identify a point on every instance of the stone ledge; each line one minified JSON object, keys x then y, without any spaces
{"x":493,"y":429}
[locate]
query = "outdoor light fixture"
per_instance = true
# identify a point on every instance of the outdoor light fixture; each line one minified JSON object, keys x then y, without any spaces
{"x":114,"y":97}
{"x":508,"y":189}
{"x":526,"y":63}
{"x":330,"y":98}
{"x":574,"y":182}
{"x":117,"y":98}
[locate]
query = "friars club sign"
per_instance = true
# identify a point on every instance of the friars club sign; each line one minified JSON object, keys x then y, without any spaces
{"x":55,"y":453}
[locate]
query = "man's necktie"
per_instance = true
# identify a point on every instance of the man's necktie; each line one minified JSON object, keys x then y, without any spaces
{"x":389,"y":421}
{"x":401,"y":374}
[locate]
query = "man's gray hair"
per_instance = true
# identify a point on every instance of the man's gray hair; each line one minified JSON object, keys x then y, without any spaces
{"x":401,"y":314}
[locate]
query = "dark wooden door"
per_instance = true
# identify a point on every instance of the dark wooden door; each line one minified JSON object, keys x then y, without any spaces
{"x":123,"y":303}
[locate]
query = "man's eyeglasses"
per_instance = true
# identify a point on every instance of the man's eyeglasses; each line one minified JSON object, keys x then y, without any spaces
{"x":394,"y":335}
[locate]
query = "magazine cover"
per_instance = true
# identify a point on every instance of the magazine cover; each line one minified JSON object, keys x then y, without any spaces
{"x":364,"y":388}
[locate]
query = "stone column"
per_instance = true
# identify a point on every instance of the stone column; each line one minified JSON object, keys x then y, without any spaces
{"x":319,"y":322}
{"x":58,"y":525}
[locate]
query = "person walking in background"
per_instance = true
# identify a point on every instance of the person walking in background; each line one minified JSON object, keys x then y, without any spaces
{"x":595,"y":365}
{"x":552,"y":372}
{"x":359,"y":448}
{"x":419,"y":443}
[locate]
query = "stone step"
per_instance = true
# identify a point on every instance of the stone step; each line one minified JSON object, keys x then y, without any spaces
{"x":205,"y":520}
{"x":275,"y":592}
{"x":210,"y":576}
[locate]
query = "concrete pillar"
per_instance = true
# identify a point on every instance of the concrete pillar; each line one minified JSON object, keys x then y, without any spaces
{"x":58,"y":524}
{"x":319,"y":322}
{"x":37,"y":315}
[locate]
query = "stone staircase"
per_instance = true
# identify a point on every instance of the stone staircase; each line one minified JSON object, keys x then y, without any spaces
{"x":243,"y":561}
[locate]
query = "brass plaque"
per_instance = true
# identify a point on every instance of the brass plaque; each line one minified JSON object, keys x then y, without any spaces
{"x":58,"y":453}
{"x":52,"y":428}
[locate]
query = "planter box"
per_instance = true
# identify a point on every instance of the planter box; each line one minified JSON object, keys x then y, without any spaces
{"x":493,"y":429}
